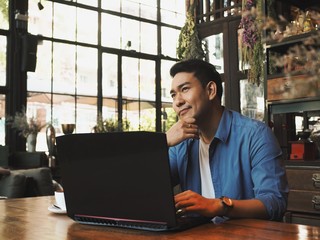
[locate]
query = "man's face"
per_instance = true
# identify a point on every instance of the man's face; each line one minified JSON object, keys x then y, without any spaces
{"x":190,"y":99}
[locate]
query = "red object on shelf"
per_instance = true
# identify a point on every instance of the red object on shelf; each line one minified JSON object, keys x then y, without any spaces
{"x":302,"y":150}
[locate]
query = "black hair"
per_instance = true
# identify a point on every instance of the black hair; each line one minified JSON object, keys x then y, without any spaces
{"x":202,"y":70}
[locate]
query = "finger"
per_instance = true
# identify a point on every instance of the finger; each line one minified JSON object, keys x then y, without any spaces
{"x":192,"y":133}
{"x":184,"y":204}
{"x":190,"y":120}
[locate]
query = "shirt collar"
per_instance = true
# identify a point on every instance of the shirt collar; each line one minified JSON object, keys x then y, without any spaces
{"x":224,"y":127}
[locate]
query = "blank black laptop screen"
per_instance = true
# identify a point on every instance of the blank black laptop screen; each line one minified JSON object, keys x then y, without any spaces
{"x":118,"y":179}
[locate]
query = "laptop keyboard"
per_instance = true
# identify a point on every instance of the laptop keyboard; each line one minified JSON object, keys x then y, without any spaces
{"x":122,"y":223}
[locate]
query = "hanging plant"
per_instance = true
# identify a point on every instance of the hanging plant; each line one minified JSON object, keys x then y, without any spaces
{"x":252,"y":52}
{"x":189,"y":44}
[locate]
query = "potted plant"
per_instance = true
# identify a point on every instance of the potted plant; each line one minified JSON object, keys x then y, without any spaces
{"x":27,"y":127}
{"x":110,"y":125}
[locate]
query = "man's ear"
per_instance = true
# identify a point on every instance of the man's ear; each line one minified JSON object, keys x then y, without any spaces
{"x":212,"y":90}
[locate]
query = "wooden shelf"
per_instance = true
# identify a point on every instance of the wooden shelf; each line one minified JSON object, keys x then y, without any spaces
{"x":303,"y":4}
{"x":294,"y":105}
{"x":285,"y":43}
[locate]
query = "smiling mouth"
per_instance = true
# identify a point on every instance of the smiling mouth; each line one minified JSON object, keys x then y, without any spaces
{"x":183,"y":111}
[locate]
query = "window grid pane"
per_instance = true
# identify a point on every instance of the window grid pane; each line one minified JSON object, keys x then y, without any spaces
{"x":64,"y":86}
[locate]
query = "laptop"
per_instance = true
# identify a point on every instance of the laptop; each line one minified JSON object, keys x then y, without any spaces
{"x":120,"y":179}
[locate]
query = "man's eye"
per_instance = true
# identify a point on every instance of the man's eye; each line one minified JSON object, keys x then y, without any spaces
{"x":173,"y":95}
{"x":184,"y":89}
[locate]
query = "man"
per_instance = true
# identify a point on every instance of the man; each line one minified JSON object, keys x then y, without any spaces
{"x":226,"y":164}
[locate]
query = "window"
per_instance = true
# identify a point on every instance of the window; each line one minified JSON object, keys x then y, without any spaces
{"x":4,"y":26}
{"x":2,"y":118}
{"x":215,"y":51}
{"x":4,"y":14}
{"x":3,"y":60}
{"x":138,"y":91}
{"x":81,"y":71}
{"x":252,"y":100}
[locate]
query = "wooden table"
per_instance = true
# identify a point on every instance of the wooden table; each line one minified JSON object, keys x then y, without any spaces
{"x":29,"y":219}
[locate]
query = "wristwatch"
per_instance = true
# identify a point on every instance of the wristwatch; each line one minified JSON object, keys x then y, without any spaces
{"x":227,"y":204}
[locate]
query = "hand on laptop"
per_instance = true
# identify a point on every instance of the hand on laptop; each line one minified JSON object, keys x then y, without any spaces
{"x":191,"y":202}
{"x":182,"y":130}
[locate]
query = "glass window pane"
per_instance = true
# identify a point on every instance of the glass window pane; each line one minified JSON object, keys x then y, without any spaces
{"x":93,"y":3}
{"x":138,"y":79}
{"x":242,"y":65}
{"x":152,"y":3}
{"x":169,"y":41}
{"x":64,"y":22}
{"x":110,"y":75}
{"x":87,"y":65}
{"x":172,"y":18}
{"x":110,"y":85}
{"x":148,"y":12}
{"x":130,"y":7}
{"x":4,"y":15}
{"x":63,"y":110}
{"x":2,"y":118}
{"x":40,"y":80}
{"x":130,"y":34}
{"x":130,"y":78}
{"x":166,"y":80}
{"x":40,"y":22}
{"x":110,"y":108}
{"x":109,"y":24}
{"x":40,"y":110}
{"x":86,"y":114}
{"x":169,"y":116}
{"x":147,"y":80}
{"x":148,"y":32}
{"x":252,"y":100}
{"x":111,"y":5}
{"x":3,"y":60}
{"x":215,"y":51}
{"x":63,"y":68}
{"x":173,"y":5}
{"x":87,"y":26}
{"x":147,"y":121}
{"x":173,"y":12}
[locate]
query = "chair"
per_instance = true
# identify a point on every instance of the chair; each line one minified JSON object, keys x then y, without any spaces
{"x":27,"y":183}
{"x":13,"y":185}
{"x":29,"y":176}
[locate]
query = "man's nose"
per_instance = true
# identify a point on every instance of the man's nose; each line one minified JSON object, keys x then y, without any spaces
{"x":179,"y":101}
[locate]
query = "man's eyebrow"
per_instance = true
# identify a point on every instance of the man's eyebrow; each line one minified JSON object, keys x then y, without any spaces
{"x":179,"y":86}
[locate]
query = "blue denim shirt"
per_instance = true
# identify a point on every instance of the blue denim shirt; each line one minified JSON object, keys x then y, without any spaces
{"x":244,"y":161}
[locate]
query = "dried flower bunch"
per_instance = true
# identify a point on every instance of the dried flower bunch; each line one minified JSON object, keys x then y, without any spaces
{"x":24,"y":125}
{"x":251,"y":40}
{"x":189,"y":44}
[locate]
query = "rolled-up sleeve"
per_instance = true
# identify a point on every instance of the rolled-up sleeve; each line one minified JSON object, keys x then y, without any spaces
{"x":268,"y":176}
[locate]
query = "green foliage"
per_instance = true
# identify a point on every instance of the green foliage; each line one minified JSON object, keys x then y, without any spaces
{"x":4,"y":8}
{"x":110,"y":125}
{"x":256,"y":71}
{"x":189,"y":44}
{"x":171,"y":119}
{"x":5,"y":17}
